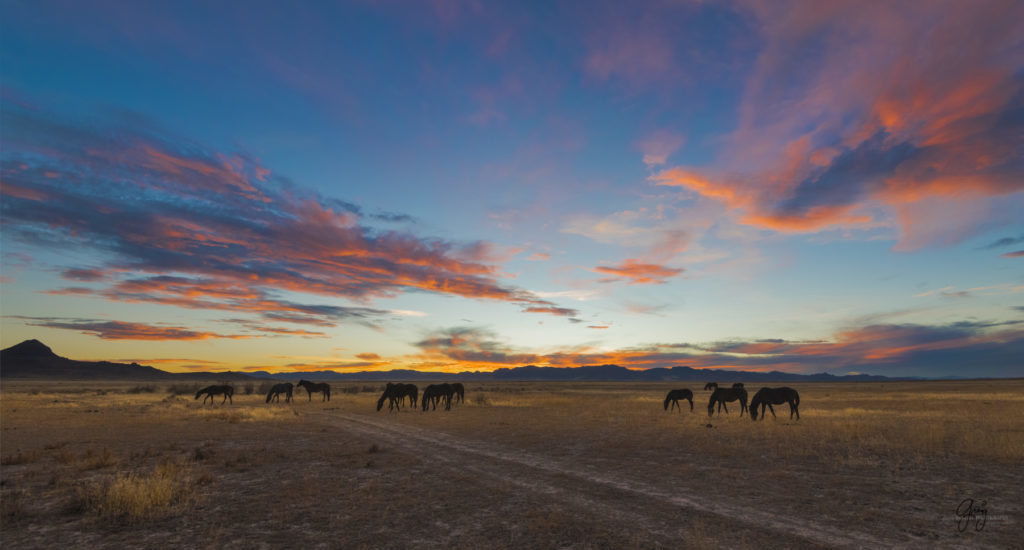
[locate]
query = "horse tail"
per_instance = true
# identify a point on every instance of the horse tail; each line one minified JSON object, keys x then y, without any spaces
{"x":796,"y":398}
{"x":667,"y":399}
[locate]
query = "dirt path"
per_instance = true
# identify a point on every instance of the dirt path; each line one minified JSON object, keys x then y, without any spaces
{"x":601,"y":491}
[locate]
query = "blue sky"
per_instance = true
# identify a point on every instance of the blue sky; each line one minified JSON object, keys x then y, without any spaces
{"x":459,"y":185}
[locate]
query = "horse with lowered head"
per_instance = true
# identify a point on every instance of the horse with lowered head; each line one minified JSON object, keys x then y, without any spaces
{"x":210,"y":391}
{"x":723,"y":395}
{"x":276,"y":391}
{"x":766,"y":397}
{"x":396,"y":394}
{"x":459,"y":390}
{"x":674,"y":396}
{"x":714,"y":386}
{"x":435,"y":393}
{"x":312,"y":387}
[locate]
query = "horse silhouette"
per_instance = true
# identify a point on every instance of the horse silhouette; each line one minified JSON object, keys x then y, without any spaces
{"x":435,"y":393}
{"x":714,"y":386}
{"x":460,"y":392}
{"x":722,"y":395}
{"x":312,"y":387}
{"x":276,"y":391}
{"x":766,"y":397}
{"x":210,"y":391}
{"x":396,"y":394}
{"x":674,"y":396}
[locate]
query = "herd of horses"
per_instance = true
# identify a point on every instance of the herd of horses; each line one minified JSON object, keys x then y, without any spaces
{"x":764,"y":398}
{"x":445,"y":394}
{"x":433,"y":395}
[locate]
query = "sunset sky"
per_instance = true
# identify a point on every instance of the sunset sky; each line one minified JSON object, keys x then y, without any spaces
{"x":467,"y":185}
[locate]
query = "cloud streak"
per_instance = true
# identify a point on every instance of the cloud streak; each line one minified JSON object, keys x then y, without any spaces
{"x":881,"y":114}
{"x":118,"y":330}
{"x":188,"y":227}
{"x":965,"y":349}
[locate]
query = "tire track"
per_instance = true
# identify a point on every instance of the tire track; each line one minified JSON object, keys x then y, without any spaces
{"x":496,"y":461}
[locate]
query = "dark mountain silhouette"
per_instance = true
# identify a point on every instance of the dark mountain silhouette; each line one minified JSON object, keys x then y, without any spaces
{"x":599,"y":373}
{"x":33,"y":359}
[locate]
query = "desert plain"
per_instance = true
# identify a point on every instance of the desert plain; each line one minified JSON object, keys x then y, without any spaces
{"x":517,"y":465}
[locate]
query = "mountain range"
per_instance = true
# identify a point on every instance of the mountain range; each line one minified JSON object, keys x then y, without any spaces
{"x":33,"y":359}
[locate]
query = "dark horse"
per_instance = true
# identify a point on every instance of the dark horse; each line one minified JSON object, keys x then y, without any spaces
{"x":766,"y":397}
{"x":675,"y":395}
{"x":396,"y":394}
{"x":276,"y":391}
{"x":316,"y":387}
{"x":435,"y":393}
{"x":210,"y":391}
{"x":714,"y":386}
{"x":721,"y":395}
{"x":460,"y":392}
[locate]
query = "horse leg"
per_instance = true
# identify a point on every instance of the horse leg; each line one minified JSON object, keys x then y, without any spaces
{"x":771,"y":408}
{"x":691,"y":405}
{"x":794,"y":408}
{"x":722,"y":404}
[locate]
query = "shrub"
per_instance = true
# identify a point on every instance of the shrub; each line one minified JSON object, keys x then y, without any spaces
{"x":142,"y":389}
{"x":132,"y":498}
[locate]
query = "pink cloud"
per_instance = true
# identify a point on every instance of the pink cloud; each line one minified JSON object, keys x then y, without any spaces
{"x":855,"y":114}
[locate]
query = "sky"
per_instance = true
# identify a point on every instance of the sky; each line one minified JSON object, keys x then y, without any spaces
{"x":456,"y":185}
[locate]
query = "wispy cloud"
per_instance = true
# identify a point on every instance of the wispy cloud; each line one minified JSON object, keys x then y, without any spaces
{"x":846,"y":123}
{"x":956,"y":349}
{"x":193,"y":228}
{"x":636,"y":272}
{"x":118,"y":330}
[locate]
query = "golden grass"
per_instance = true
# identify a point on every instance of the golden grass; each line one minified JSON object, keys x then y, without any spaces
{"x":133,"y":497}
{"x":126,"y":457}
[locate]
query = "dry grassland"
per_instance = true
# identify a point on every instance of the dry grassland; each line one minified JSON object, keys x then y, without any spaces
{"x":519,"y":465}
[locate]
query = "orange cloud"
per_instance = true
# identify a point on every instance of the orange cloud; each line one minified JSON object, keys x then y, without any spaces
{"x":638,"y":272}
{"x":118,"y":330}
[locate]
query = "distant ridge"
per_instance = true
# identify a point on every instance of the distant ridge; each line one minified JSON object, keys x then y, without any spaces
{"x":33,"y":359}
{"x":599,"y":373}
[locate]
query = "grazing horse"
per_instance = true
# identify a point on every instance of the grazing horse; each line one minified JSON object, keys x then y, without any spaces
{"x":396,"y":394}
{"x":674,"y":396}
{"x":721,"y":395}
{"x":766,"y":397}
{"x":460,"y":392}
{"x":210,"y":391}
{"x":316,"y":387}
{"x":714,"y":386}
{"x":435,"y":393}
{"x":277,"y":390}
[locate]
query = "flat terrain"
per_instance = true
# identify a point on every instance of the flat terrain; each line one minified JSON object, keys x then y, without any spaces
{"x":518,"y":465}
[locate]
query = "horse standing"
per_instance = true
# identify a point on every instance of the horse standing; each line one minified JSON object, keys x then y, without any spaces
{"x":459,"y":392}
{"x":713,"y":386}
{"x":766,"y":397}
{"x":312,"y":387}
{"x":435,"y":393}
{"x":722,"y":395}
{"x":276,"y":391}
{"x":210,"y":391}
{"x":674,"y":396}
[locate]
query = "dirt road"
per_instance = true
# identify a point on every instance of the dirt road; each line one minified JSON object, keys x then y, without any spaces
{"x":612,"y":494}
